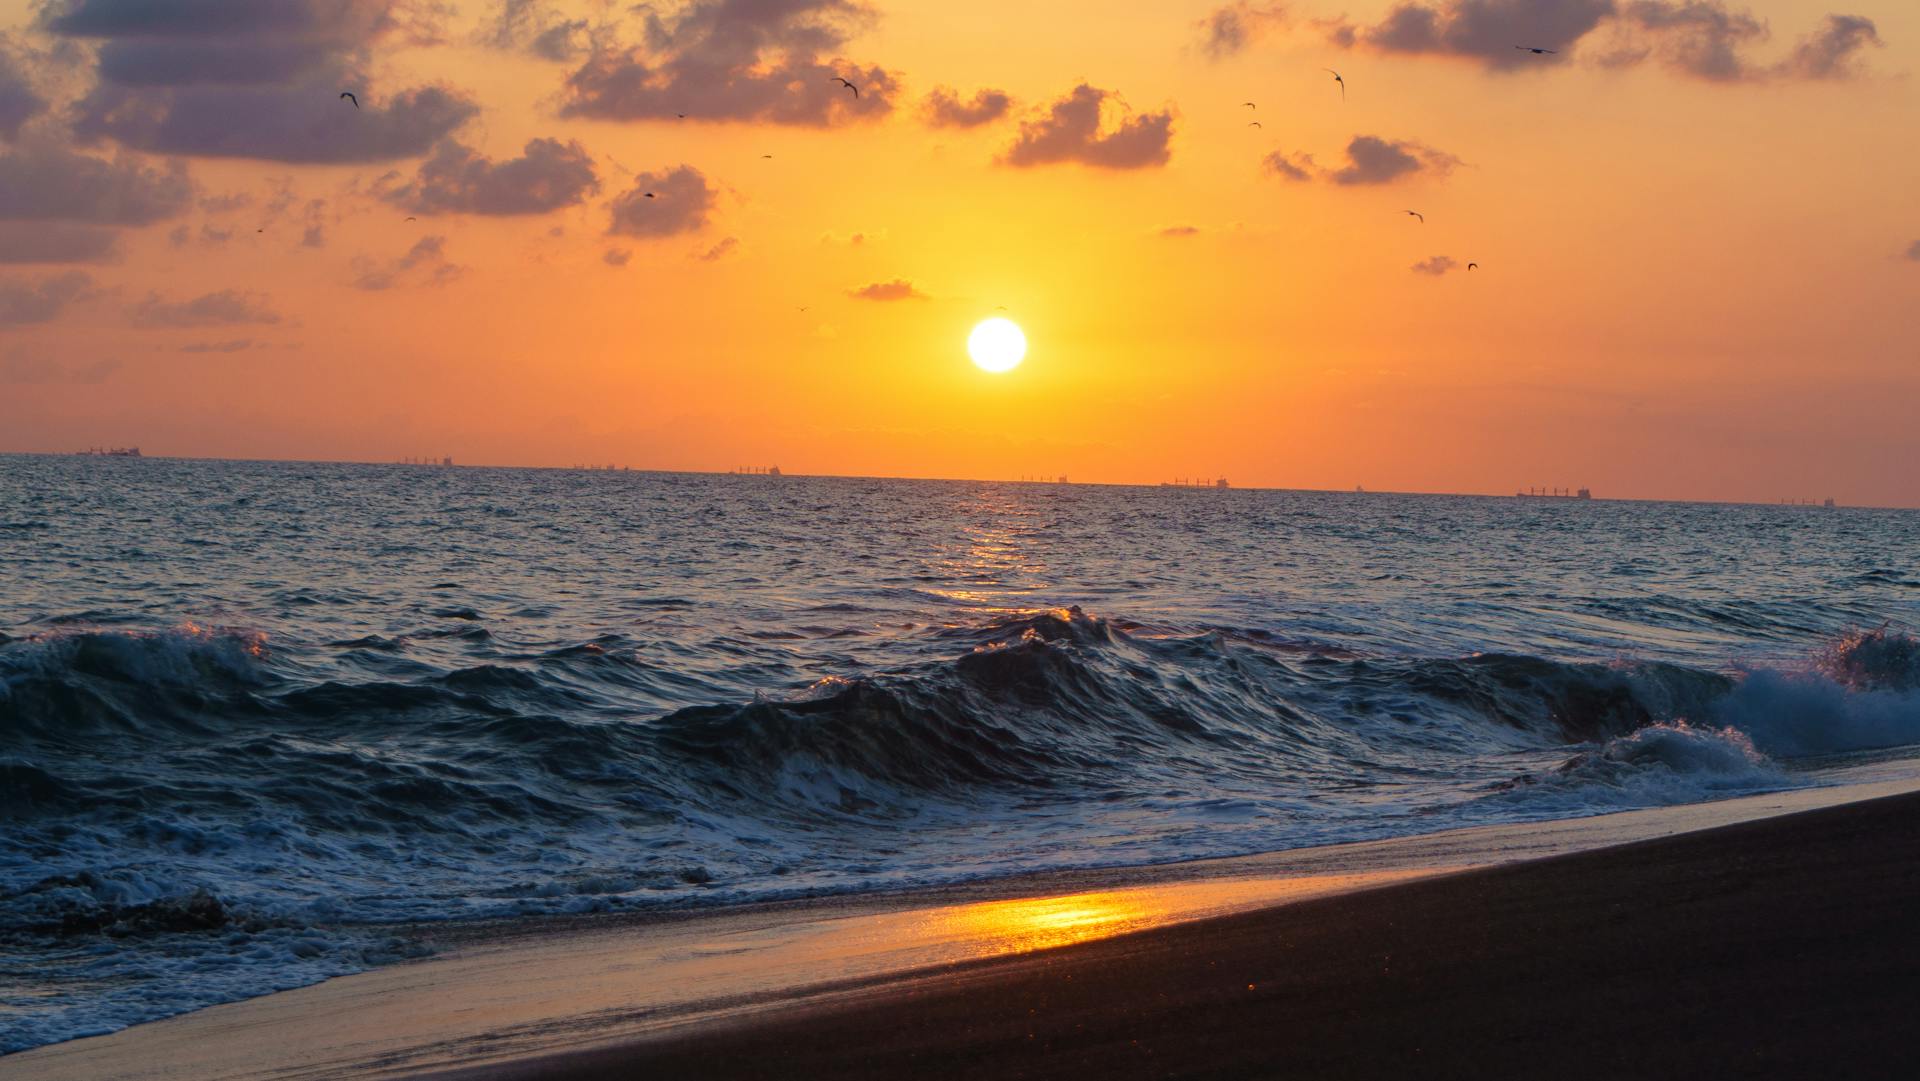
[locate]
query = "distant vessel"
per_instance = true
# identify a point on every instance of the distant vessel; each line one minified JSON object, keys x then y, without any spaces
{"x":1195,"y":482}
{"x":1554,"y":493}
{"x":111,"y":452}
{"x":757,"y":470}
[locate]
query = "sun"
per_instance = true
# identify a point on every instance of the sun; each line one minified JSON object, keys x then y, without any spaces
{"x":997,"y":345}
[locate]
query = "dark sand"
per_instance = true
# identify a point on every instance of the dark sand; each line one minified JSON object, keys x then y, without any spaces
{"x":1788,"y":947}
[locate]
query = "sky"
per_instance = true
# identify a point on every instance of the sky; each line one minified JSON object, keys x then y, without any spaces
{"x":1696,"y":244}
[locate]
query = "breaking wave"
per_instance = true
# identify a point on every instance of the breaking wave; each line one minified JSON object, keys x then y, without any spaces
{"x":214,"y":795}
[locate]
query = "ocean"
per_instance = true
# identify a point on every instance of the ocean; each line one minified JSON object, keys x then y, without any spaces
{"x":266,"y":723}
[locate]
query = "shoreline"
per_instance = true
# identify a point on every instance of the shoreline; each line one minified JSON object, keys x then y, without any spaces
{"x":1776,"y":947}
{"x":521,"y":994}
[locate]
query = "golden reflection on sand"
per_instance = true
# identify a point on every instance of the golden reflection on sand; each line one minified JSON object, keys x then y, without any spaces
{"x":1039,"y":923}
{"x":993,"y":928}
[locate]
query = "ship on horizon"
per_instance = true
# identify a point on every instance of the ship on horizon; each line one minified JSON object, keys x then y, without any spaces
{"x":110,"y":452}
{"x":1554,"y":493}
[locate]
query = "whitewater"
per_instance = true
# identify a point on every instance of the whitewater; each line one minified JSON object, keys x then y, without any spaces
{"x":266,"y":723}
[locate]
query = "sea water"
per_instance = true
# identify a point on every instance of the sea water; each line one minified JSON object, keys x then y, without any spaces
{"x":260,"y":722}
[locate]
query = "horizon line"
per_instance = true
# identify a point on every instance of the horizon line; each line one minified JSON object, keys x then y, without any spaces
{"x":965,"y":480}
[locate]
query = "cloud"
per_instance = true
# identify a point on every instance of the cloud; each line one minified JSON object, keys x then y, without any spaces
{"x":314,"y":218}
{"x":210,"y":237}
{"x":1370,"y":160}
{"x":532,"y":27}
{"x":1228,"y":30}
{"x":1698,"y":37}
{"x":897,"y":289}
{"x":944,"y":108}
{"x":301,"y":124}
{"x":237,"y":345}
{"x":46,"y":182}
{"x":1178,"y":231}
{"x":225,"y":308}
{"x":1434,"y":265}
{"x":681,"y":203}
{"x":727,"y":246}
{"x":1913,"y":251}
{"x":1702,"y":38}
{"x":255,"y":78}
{"x":19,"y":367}
{"x":19,"y":101}
{"x":1071,"y":132}
{"x":56,"y":242}
{"x":227,"y":203}
{"x":1708,"y":40}
{"x":769,"y":61}
{"x":617,"y":256}
{"x":549,"y":175}
{"x":428,"y":256}
{"x":1830,"y":52}
{"x":1289,"y":166}
{"x":40,"y":301}
{"x":1485,"y":30}
{"x":1373,"y":160}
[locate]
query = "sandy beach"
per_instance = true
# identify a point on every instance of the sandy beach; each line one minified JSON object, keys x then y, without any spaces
{"x":1524,"y":938}
{"x":1775,"y":948}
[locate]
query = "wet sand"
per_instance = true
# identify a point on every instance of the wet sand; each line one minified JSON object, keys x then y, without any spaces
{"x":1144,"y":971}
{"x":1786,"y":947}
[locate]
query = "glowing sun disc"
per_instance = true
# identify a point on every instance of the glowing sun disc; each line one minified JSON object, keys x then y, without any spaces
{"x":997,"y":345}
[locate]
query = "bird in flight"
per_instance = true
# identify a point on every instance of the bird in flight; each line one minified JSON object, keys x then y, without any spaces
{"x":1255,"y":124}
{"x":347,"y":95}
{"x":765,"y":157}
{"x":680,"y":116}
{"x":848,"y":84}
{"x":649,"y":195}
{"x":1534,"y":51}
{"x":1338,"y":79}
{"x":1417,"y":214}
{"x":1250,"y":105}
{"x":803,"y":308}
{"x":1473,"y":266}
{"x":410,"y":217}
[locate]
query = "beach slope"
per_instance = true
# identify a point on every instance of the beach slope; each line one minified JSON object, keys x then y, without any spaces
{"x":1784,"y":947}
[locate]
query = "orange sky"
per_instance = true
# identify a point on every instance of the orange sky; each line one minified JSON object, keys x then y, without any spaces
{"x":1693,"y":225}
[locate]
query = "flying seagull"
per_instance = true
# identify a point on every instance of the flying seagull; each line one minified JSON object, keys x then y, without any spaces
{"x":1250,"y":105}
{"x":765,"y":157}
{"x":649,"y":195}
{"x":347,"y":95}
{"x":1534,"y":51}
{"x":410,"y":217}
{"x":1255,"y":124}
{"x":1338,"y":79}
{"x":848,"y":84}
{"x":1473,"y":266}
{"x":1417,"y":214}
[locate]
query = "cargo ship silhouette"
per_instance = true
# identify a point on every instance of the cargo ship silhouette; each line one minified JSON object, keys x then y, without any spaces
{"x":1554,"y":493}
